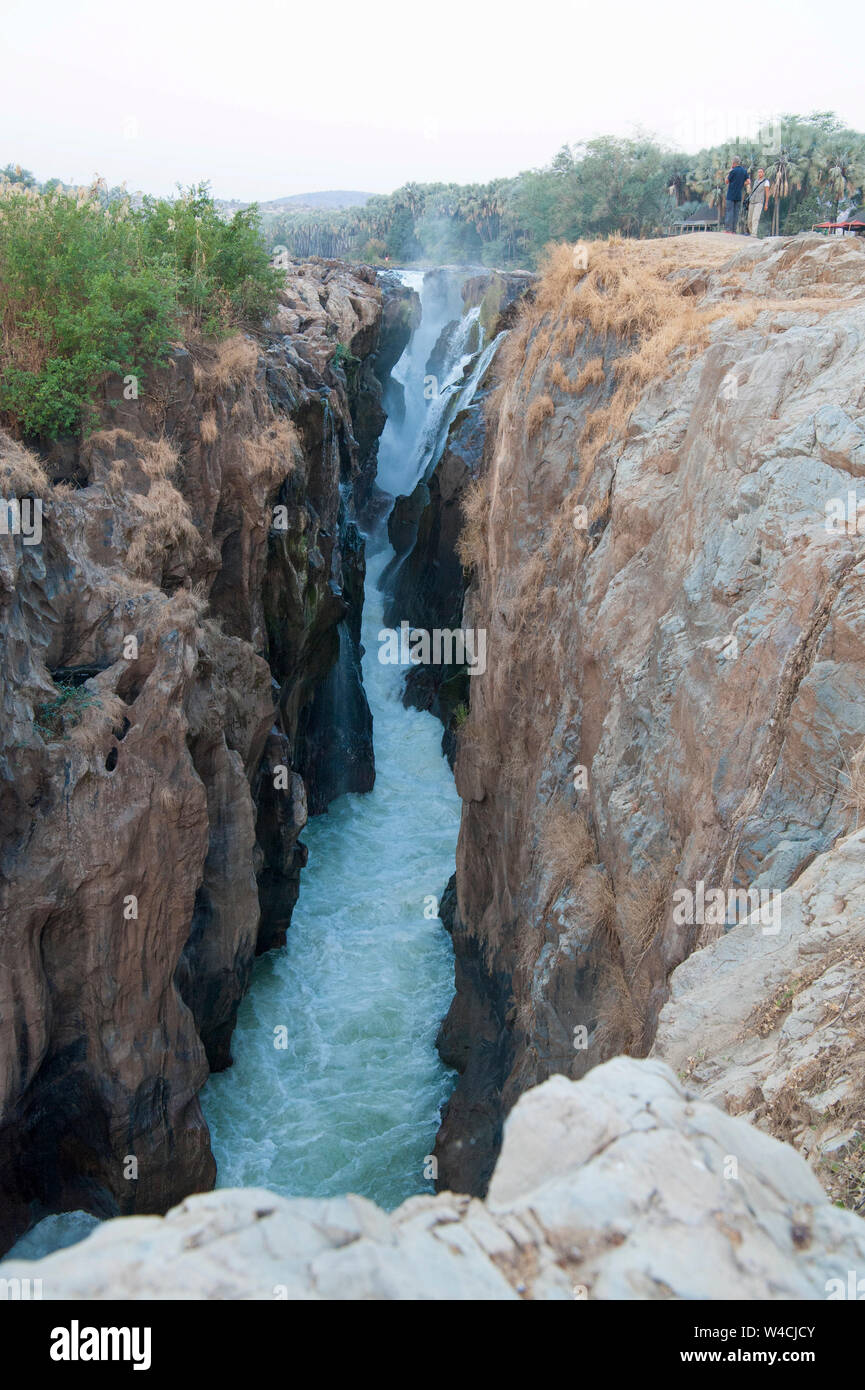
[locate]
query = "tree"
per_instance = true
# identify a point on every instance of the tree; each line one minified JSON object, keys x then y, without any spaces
{"x":839,"y":172}
{"x":788,"y":167}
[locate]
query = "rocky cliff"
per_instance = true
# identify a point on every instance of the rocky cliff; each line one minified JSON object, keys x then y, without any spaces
{"x":179,"y":682}
{"x":676,"y":673}
{"x":621,"y":1186}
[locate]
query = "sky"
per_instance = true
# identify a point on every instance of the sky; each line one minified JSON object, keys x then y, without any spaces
{"x":270,"y":98}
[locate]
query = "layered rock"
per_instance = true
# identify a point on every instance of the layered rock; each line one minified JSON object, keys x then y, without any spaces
{"x":769,"y":1024}
{"x":164,"y":677}
{"x":676,"y":665}
{"x":621,"y":1186}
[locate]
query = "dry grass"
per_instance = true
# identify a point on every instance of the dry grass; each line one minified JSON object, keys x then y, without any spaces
{"x":600,"y":901}
{"x":20,"y":471}
{"x":271,"y":454}
{"x":166,"y":526}
{"x":209,"y":429}
{"x":472,"y":542}
{"x":94,"y":733}
{"x":231,"y":363}
{"x":567,"y":845}
{"x":592,"y":374}
{"x":628,"y":296}
{"x":542,"y":408}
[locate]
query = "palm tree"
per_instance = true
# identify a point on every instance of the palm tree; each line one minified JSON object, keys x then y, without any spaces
{"x":839,"y":171}
{"x":677,"y":186}
{"x":788,"y":169}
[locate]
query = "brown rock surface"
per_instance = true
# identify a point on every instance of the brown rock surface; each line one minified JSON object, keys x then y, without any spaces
{"x":693,"y":640}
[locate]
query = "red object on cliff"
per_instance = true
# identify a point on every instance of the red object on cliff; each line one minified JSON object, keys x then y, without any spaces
{"x":855,"y":225}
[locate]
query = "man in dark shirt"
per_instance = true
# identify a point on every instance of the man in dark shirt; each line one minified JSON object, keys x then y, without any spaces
{"x":737,"y":180}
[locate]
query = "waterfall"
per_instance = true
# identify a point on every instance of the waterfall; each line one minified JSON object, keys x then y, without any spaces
{"x":337,"y":1086}
{"x":401,"y":445}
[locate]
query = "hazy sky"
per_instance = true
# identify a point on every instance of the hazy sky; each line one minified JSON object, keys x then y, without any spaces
{"x":270,"y":98}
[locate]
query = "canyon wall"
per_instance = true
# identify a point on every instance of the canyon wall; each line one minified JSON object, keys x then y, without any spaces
{"x":180,"y":685}
{"x":676,"y":657}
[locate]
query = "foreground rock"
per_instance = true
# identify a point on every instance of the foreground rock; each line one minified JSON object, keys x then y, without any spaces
{"x":770,"y":1024}
{"x":621,"y":1186}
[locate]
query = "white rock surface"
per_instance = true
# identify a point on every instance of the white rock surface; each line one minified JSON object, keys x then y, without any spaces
{"x":622,"y":1185}
{"x":770,"y":1026}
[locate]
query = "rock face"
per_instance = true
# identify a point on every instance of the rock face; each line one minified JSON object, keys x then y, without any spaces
{"x":164,"y":685}
{"x":620,"y":1186}
{"x":770,"y":1025}
{"x":676,"y":663}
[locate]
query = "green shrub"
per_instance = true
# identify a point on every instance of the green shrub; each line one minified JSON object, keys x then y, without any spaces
{"x":56,"y":718}
{"x":88,"y":289}
{"x":221,"y":269}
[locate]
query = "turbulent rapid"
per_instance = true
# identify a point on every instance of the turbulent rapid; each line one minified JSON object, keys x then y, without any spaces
{"x":337,"y":1086}
{"x":351,"y":1104}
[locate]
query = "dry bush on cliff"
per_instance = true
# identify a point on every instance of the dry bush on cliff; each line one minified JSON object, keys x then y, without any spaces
{"x":592,"y":374}
{"x":621,"y":1026}
{"x":567,"y":845}
{"x":472,"y":542}
{"x":600,"y":903}
{"x":271,"y":454}
{"x":94,"y":734}
{"x":228,"y":364}
{"x":209,"y":429}
{"x":159,"y":458}
{"x":166,"y":527}
{"x":541,"y":409}
{"x":540,"y":347}
{"x":560,"y":377}
{"x":20,"y":471}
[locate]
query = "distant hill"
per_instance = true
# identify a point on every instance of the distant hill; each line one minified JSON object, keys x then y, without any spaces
{"x":329,"y":198}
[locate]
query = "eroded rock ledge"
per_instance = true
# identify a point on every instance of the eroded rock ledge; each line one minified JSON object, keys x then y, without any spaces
{"x":620,"y":1186}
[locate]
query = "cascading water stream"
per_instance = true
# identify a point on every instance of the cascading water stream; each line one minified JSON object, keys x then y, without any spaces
{"x":351,"y":1103}
{"x":336,"y":1085}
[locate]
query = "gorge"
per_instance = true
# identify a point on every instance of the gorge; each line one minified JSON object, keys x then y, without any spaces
{"x":618,"y":471}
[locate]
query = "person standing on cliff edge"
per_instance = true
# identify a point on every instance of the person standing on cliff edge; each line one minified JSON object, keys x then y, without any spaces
{"x":737,"y":180}
{"x":758,"y":202}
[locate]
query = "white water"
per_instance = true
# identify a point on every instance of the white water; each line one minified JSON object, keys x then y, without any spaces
{"x":404,"y":447}
{"x":352,"y":1103}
